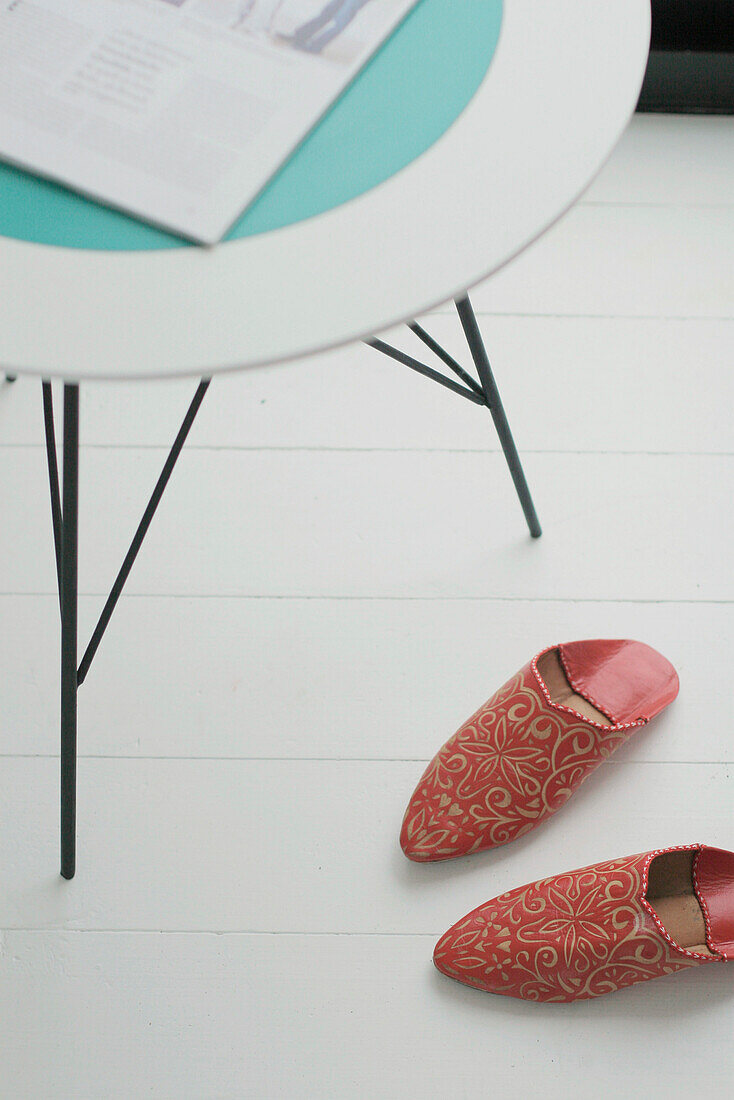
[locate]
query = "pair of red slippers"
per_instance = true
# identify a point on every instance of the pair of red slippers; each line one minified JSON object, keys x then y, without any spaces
{"x":511,"y":766}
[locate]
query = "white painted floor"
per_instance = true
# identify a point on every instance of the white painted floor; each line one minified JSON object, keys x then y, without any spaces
{"x":338,"y":575}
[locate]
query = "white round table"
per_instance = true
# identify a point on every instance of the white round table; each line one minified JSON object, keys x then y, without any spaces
{"x":560,"y":90}
{"x":557,"y":96}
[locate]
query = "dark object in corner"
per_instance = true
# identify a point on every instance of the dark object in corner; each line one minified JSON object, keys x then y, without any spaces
{"x":691,"y":66}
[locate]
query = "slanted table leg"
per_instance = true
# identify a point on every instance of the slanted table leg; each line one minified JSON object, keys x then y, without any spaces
{"x":484,"y":392}
{"x":494,"y":401}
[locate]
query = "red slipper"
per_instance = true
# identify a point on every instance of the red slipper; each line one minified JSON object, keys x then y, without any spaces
{"x":523,"y":754}
{"x":602,"y":928}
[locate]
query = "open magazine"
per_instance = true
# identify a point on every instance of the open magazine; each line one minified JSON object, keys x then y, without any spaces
{"x":176,"y":111}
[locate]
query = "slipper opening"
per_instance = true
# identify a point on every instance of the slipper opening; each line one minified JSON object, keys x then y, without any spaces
{"x":672,"y":895}
{"x":562,"y":693}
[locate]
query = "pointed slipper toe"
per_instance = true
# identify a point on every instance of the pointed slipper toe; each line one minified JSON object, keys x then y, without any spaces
{"x":524,"y":753}
{"x":602,"y":928}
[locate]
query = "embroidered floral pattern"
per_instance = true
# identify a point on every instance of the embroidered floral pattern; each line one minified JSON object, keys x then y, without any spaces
{"x":513,"y":764}
{"x":573,"y":936}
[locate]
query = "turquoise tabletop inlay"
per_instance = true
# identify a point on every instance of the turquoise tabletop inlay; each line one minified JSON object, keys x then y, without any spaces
{"x":403,"y":101}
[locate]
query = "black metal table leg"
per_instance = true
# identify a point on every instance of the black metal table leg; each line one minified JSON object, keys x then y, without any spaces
{"x":484,"y":392}
{"x":494,"y":401}
{"x":69,"y":574}
{"x":65,"y":516}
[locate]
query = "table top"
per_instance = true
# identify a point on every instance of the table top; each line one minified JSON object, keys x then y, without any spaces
{"x":379,"y":217}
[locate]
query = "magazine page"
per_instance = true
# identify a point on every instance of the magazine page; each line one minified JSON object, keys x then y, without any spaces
{"x":176,"y":111}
